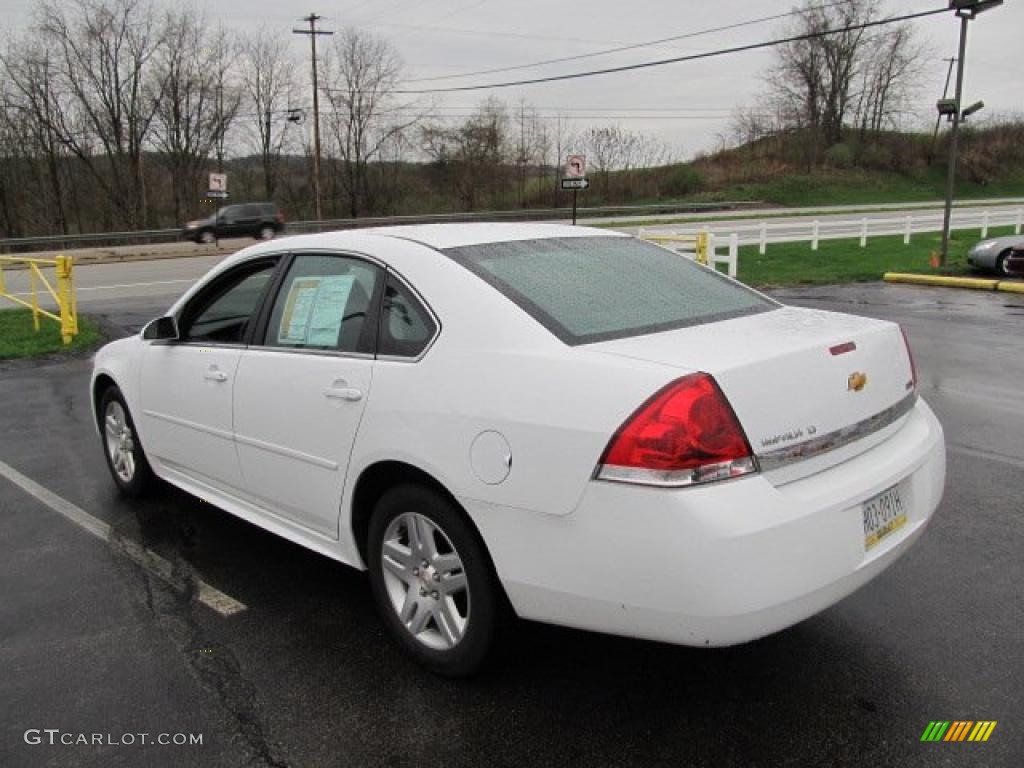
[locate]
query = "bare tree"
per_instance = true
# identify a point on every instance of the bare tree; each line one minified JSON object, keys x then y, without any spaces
{"x":607,"y":148}
{"x":530,"y":147}
{"x":101,"y":52}
{"x":268,"y":79}
{"x":360,"y":71}
{"x":473,"y":154}
{"x":813,"y":79}
{"x":888,"y":78}
{"x":194,"y":107}
{"x":29,"y":80}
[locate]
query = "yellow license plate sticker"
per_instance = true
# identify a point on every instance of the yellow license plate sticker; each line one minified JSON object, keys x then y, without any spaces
{"x":883,"y":514}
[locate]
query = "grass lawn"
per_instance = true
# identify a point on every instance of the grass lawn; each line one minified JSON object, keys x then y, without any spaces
{"x":844,"y":261}
{"x":18,"y":338}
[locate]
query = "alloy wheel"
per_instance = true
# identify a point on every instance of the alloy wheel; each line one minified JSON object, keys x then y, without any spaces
{"x":425,"y":581}
{"x":120,"y":441}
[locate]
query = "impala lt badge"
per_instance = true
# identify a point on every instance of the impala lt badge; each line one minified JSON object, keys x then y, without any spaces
{"x":857,"y":381}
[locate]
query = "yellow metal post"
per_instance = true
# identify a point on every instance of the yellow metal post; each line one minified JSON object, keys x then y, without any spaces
{"x":66,"y":299}
{"x":35,"y":298}
{"x":702,"y":247}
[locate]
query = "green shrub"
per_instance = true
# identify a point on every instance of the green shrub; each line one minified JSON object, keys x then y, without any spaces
{"x":839,"y":155}
{"x":680,"y":180}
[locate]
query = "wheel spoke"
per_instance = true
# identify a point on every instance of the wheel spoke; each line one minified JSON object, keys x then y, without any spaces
{"x":399,"y":569}
{"x":129,"y":466}
{"x":405,"y":614}
{"x":425,"y":536}
{"x":453,"y":583}
{"x":399,"y":554}
{"x":413,"y":532}
{"x":448,"y":621}
{"x":420,"y":619}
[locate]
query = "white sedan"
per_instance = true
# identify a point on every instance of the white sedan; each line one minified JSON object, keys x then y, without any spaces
{"x":564,"y":422}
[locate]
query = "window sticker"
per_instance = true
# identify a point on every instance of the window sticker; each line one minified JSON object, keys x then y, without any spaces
{"x":328,"y":306}
{"x":297,"y":307}
{"x":313,"y":311}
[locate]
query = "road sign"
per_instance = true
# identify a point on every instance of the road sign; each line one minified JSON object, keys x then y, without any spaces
{"x":575,"y":167}
{"x":575,"y":183}
{"x":219,"y":194}
{"x":218,"y":183}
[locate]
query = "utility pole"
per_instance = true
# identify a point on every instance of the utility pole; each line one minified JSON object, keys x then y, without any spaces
{"x":312,"y":19}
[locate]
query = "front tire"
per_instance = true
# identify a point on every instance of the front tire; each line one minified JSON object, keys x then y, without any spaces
{"x":121,"y":447}
{"x":267,"y":233}
{"x":206,"y":237}
{"x":432,"y":580}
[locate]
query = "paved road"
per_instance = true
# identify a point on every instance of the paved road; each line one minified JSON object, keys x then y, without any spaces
{"x":792,"y":223}
{"x":90,"y":642}
{"x":155,"y":284}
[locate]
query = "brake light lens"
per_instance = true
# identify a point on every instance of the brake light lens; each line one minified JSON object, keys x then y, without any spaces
{"x":280,"y":217}
{"x":685,"y":434}
{"x":912,"y":384}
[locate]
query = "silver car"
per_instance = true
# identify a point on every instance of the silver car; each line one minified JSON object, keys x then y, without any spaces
{"x":993,"y":252}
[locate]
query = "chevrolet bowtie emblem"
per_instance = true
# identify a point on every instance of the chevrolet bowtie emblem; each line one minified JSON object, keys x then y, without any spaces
{"x":857,"y":381}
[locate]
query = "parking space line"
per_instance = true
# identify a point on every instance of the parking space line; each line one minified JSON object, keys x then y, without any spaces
{"x":153,"y":563}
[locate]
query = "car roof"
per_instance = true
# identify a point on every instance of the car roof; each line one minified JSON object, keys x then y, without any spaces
{"x":442,"y":236}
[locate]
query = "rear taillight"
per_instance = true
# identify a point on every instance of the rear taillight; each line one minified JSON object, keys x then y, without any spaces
{"x":685,"y":434}
{"x":912,"y":384}
{"x":280,"y":217}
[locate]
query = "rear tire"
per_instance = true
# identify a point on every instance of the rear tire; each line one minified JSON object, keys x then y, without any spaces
{"x":1001,"y":264}
{"x":121,"y":446}
{"x":432,"y":581}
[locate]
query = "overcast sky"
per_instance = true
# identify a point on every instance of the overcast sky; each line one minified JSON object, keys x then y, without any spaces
{"x":685,"y":104}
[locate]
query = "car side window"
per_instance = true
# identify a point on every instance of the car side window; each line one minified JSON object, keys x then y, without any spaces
{"x":406,"y":327}
{"x":223,"y":312}
{"x":325,"y":302}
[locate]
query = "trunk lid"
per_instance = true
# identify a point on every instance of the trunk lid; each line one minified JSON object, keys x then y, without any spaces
{"x":792,"y":375}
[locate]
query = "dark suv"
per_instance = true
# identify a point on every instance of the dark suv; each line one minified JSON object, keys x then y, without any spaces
{"x":260,"y":220}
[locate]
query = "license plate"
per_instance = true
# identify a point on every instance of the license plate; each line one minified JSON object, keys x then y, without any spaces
{"x":883,"y":514}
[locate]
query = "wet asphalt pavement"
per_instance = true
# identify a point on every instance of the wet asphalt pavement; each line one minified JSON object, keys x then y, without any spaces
{"x":92,"y":643}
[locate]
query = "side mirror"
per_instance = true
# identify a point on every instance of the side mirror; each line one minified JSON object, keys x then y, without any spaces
{"x":161,"y":329}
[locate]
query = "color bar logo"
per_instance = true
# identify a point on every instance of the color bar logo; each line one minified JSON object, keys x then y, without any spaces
{"x":958,"y":730}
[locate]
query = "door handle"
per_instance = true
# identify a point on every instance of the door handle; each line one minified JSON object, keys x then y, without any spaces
{"x":214,"y":375}
{"x":343,"y":393}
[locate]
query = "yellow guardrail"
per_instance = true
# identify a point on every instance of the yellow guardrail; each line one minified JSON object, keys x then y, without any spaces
{"x":64,"y":295}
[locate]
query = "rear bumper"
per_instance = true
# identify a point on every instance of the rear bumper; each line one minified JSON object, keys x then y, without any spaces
{"x":716,"y":565}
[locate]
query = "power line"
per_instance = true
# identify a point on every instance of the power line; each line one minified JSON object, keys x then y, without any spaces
{"x":633,"y":46}
{"x":677,"y":59}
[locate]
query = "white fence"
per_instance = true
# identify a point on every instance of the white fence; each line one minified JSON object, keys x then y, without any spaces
{"x":787,"y":230}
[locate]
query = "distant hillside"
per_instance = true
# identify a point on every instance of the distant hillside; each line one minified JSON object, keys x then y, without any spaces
{"x":893,"y":166}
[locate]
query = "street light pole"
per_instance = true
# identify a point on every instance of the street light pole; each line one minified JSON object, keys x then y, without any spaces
{"x":954,"y":132}
{"x":966,"y":10}
{"x":312,"y":19}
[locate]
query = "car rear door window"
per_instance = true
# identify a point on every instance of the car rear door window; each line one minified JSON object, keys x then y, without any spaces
{"x":325,"y":302}
{"x":406,"y":327}
{"x":588,"y":289}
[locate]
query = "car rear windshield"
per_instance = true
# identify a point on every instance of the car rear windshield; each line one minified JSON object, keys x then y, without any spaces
{"x":588,"y":289}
